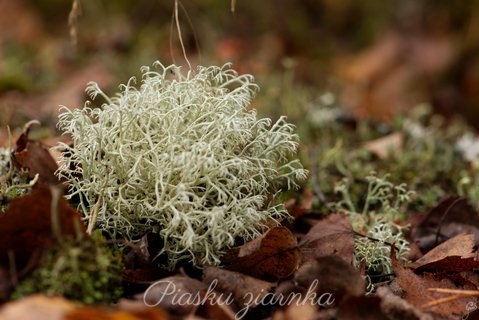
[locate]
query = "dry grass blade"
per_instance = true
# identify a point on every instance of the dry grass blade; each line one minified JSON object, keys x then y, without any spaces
{"x":455,"y":295}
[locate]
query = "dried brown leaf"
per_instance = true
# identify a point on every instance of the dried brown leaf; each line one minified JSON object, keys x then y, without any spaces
{"x":361,"y":308}
{"x":332,"y":235}
{"x":275,"y":255}
{"x":179,"y":295}
{"x":450,"y":217}
{"x":415,"y":289}
{"x":452,"y":264}
{"x":386,"y":146}
{"x":26,"y":226}
{"x":391,"y":304}
{"x":296,"y":311}
{"x":35,"y":157}
{"x":330,"y":274}
{"x":220,"y":311}
{"x":240,"y":286}
{"x":306,"y":203}
{"x":453,"y":250}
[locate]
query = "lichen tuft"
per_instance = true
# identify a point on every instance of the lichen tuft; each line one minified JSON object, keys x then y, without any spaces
{"x":183,"y":155}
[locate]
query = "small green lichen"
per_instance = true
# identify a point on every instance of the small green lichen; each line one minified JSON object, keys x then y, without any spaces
{"x":84,"y":270}
{"x":437,"y":157}
{"x":377,"y":222}
{"x":182,"y":156}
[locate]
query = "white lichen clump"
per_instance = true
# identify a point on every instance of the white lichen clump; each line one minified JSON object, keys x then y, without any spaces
{"x":181,"y":156}
{"x":468,"y":147}
{"x":377,"y":223}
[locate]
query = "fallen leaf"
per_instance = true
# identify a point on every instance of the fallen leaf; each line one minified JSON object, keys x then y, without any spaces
{"x":296,"y":311}
{"x":26,"y":226}
{"x":386,"y":146}
{"x":306,"y":203}
{"x":332,"y":275}
{"x":469,"y":280}
{"x":361,"y":308}
{"x":382,"y":80}
{"x":143,"y":252}
{"x":138,"y":261}
{"x":180,"y":295}
{"x":220,"y":311}
{"x":415,"y":288}
{"x":375,"y":77}
{"x":238,"y":285}
{"x":450,"y":217}
{"x":332,"y":235}
{"x":36,"y":307}
{"x":35,"y":157}
{"x":275,"y":255}
{"x":391,"y":304}
{"x":453,"y":264}
{"x":454,"y":249}
{"x":372,"y":62}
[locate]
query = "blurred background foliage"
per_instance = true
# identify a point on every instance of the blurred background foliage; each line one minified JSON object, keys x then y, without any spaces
{"x":379,"y":58}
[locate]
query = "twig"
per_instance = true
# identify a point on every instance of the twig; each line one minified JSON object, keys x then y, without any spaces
{"x":75,"y":12}
{"x":456,"y":295}
{"x":471,"y":293}
{"x":180,"y":37}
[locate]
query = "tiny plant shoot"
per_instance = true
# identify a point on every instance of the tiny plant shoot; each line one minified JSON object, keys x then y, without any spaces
{"x":184,"y":156}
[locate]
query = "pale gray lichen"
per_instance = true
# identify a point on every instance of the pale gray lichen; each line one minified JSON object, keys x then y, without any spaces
{"x":377,"y":223}
{"x":182,"y":156}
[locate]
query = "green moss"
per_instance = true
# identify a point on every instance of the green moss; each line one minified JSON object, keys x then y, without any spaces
{"x":429,"y":162}
{"x":83,"y":270}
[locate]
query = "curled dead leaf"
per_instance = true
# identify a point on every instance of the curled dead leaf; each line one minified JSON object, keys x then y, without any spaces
{"x":461,"y":245}
{"x":35,"y":157}
{"x":456,"y":254}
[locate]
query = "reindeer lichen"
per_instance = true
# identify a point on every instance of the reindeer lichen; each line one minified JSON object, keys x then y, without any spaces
{"x":183,"y":155}
{"x":377,"y":223}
